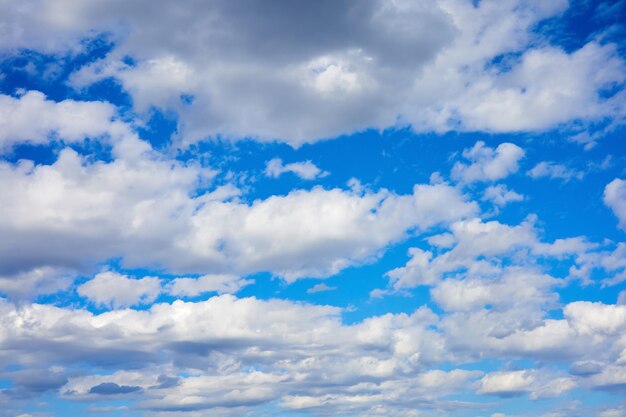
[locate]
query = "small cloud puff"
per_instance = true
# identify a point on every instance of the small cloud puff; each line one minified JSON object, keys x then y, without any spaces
{"x":615,"y":199}
{"x":488,"y":164}
{"x":306,"y":170}
{"x":500,"y":195}
{"x":320,"y":288}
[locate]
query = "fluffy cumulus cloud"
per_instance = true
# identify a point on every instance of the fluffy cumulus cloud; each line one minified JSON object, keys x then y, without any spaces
{"x":488,"y":164}
{"x":543,"y":89}
{"x":333,"y":67}
{"x":506,"y":383}
{"x":291,"y":345}
{"x":116,"y":290}
{"x":175,"y":241}
{"x":478,"y":247}
{"x":500,"y":195}
{"x":515,"y":383}
{"x":67,"y":120}
{"x":283,"y":353}
{"x":104,"y":210}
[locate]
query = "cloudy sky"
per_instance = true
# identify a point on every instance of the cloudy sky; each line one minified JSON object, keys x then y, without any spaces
{"x":295,"y":208}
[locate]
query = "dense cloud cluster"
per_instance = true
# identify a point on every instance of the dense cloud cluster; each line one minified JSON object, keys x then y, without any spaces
{"x":303,"y":357}
{"x":300,"y":73}
{"x":123,"y":264}
{"x":90,"y":212}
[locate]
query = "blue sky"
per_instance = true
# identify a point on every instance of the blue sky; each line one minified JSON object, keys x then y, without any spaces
{"x":376,"y":208}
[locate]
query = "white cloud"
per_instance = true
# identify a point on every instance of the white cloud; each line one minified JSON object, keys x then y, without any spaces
{"x":319,"y":232}
{"x":415,"y":272}
{"x":219,"y":283}
{"x":305,"y":170}
{"x":75,"y":210}
{"x":545,"y":87}
{"x":506,"y":383}
{"x":538,"y":383}
{"x":605,"y":260}
{"x":612,"y":378}
{"x":233,"y":352}
{"x":338,"y":70}
{"x":500,"y":195}
{"x":555,"y":171}
{"x":321,"y":287}
{"x":524,"y":331}
{"x":472,"y":239}
{"x":158,"y":81}
{"x":513,"y":286}
{"x":34,"y":119}
{"x":226,"y":352}
{"x":111,"y":289}
{"x":485,"y":277}
{"x":615,"y":199}
{"x":357,"y":75}
{"x":480,"y":248}
{"x":488,"y":164}
{"x":442,"y":240}
{"x":595,"y":318}
{"x":302,"y":89}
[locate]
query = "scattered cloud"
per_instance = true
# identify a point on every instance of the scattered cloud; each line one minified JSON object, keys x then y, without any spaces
{"x":615,"y":199}
{"x":553,"y":170}
{"x":69,"y":120}
{"x":488,"y":164}
{"x":107,"y":209}
{"x":500,"y":195}
{"x":321,"y":287}
{"x":111,"y":289}
{"x":305,"y":170}
{"x":219,"y":283}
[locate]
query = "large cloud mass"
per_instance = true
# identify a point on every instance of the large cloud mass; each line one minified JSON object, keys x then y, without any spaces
{"x":73,"y":213}
{"x":300,"y":73}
